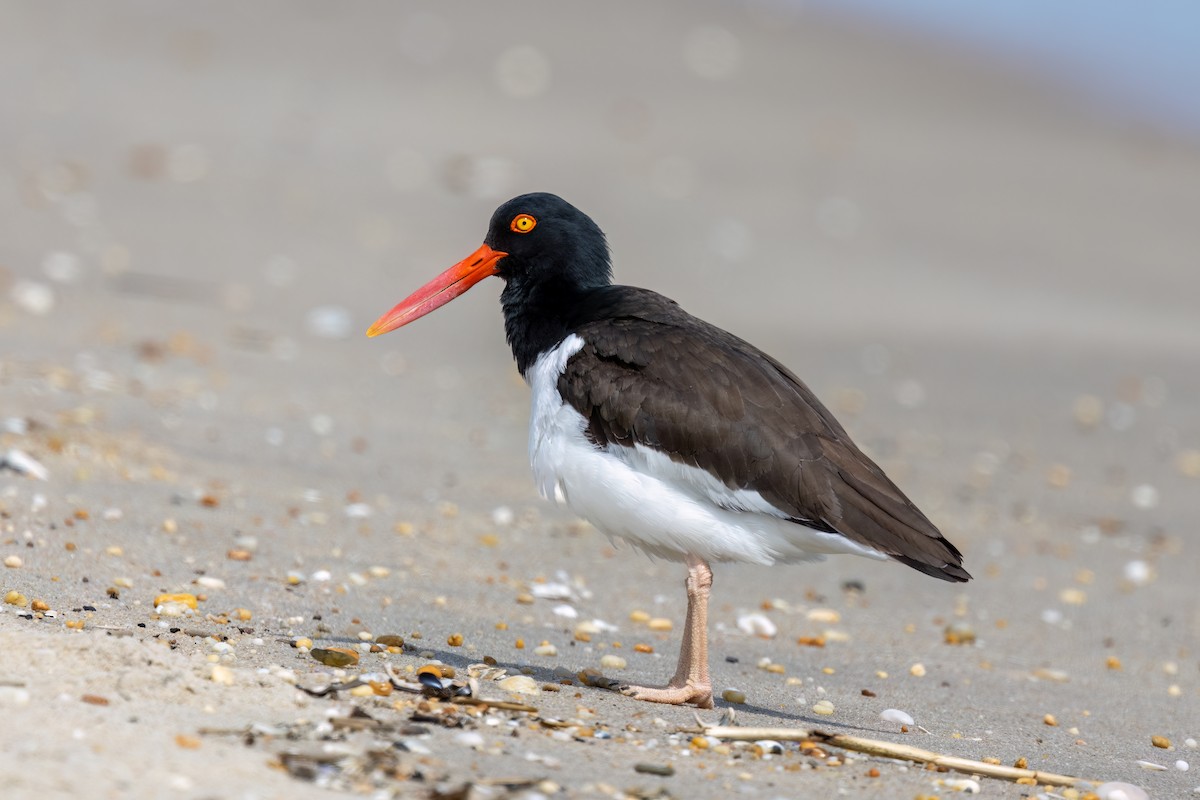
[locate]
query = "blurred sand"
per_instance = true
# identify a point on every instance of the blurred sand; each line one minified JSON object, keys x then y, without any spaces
{"x":995,"y":291}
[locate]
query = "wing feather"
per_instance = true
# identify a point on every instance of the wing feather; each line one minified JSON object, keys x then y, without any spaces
{"x":652,"y":375}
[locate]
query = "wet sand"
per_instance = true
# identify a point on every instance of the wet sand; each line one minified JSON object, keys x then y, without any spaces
{"x":992,"y":288}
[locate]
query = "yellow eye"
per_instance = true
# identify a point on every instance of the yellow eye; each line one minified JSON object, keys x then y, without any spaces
{"x":522,"y":223}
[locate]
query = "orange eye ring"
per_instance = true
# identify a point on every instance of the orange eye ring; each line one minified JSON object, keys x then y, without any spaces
{"x":522,"y":223}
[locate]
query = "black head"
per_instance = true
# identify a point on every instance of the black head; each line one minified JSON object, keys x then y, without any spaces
{"x":548,"y":241}
{"x":549,"y":253}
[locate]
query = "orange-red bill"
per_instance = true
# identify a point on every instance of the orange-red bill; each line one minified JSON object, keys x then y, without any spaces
{"x":441,"y":290}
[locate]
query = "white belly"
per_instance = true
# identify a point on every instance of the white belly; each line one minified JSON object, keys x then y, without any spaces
{"x":639,"y":495}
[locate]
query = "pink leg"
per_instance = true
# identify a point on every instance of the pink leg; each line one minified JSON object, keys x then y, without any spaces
{"x":691,"y":683}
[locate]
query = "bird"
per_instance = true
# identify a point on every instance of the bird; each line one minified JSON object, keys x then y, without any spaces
{"x":670,"y":433}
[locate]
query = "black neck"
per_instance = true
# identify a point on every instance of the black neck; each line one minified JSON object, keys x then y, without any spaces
{"x":538,"y":315}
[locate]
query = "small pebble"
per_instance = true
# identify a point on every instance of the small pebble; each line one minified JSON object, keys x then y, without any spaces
{"x":665,"y":770}
{"x":757,"y":625}
{"x":1138,"y":572}
{"x":1182,"y":765}
{"x":964,"y":785}
{"x":917,"y":670}
{"x":735,"y":696}
{"x":33,"y":297}
{"x":13,"y":562}
{"x":1073,"y":597}
{"x":455,"y":640}
{"x":472,"y":739}
{"x":519,"y":684}
{"x":545,"y":649}
{"x":611,"y":661}
{"x":1144,"y":496}
{"x":180,"y":598}
{"x":959,"y":633}
{"x":660,"y":624}
{"x":897,"y":716}
{"x":222,"y":675}
{"x":14,"y":696}
{"x":551,"y":591}
{"x":1161,"y":741}
{"x":826,"y":615}
{"x":334,"y":656}
{"x":823,"y":707}
{"x":1050,"y":720}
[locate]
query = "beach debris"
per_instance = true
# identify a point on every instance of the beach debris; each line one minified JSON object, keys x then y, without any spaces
{"x":22,"y":463}
{"x":897,"y":716}
{"x":1144,"y":496}
{"x":959,"y":633}
{"x":611,"y":661}
{"x":884,"y":749}
{"x":334,"y":656}
{"x":177,"y":604}
{"x":735,"y":696}
{"x":13,"y":562}
{"x":33,"y":297}
{"x":565,"y":610}
{"x":1138,"y":572}
{"x":663,"y":770}
{"x":551,"y":590}
{"x":221,"y":675}
{"x":1118,"y":790}
{"x":14,"y":696}
{"x":503,"y":516}
{"x":519,"y":684}
{"x":964,"y":785}
{"x":756,"y":624}
{"x":823,"y":707}
{"x":1161,"y":741}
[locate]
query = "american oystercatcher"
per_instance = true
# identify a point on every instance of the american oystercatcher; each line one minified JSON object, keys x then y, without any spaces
{"x":671,"y":433}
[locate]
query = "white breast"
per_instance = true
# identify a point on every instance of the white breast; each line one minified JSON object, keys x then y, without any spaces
{"x":642,"y":496}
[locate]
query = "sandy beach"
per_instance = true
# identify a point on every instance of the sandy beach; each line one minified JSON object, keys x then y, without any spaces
{"x":993,"y":287}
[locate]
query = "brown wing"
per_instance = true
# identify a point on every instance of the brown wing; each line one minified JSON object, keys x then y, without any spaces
{"x":651,"y":374}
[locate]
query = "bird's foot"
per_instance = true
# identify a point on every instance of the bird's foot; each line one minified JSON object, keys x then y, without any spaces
{"x":698,"y":694}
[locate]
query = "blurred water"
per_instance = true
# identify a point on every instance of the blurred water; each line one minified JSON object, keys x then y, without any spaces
{"x":1138,"y":59}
